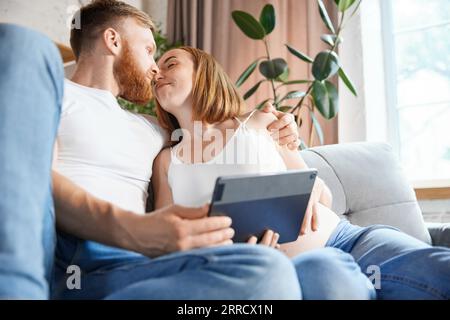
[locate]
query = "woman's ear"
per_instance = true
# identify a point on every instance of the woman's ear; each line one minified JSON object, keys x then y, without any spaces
{"x":112,"y":41}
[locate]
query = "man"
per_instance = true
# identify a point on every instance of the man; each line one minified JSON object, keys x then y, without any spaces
{"x":101,"y":168}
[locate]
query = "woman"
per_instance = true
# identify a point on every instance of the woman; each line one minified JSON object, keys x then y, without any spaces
{"x":195,"y":95}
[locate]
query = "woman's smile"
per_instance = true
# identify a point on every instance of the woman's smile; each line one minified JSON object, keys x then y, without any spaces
{"x":161,"y":84}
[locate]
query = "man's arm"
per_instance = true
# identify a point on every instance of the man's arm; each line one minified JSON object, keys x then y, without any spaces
{"x":80,"y":214}
{"x":155,"y":122}
{"x":169,"y":229}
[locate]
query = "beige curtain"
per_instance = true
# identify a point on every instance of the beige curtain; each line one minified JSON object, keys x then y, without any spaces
{"x":207,"y":24}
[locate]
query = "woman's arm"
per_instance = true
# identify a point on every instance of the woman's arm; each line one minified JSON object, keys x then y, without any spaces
{"x":291,"y":158}
{"x":294,"y":160}
{"x":320,"y":193}
{"x":160,"y":183}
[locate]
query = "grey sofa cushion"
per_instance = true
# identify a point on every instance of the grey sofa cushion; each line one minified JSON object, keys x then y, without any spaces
{"x":369,"y":186}
{"x":440,"y":234}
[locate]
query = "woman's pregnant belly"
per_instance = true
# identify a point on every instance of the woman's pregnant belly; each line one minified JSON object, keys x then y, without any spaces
{"x":193,"y":185}
{"x":328,"y":221}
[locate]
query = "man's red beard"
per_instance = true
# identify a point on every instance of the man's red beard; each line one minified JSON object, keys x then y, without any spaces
{"x":134,"y":85}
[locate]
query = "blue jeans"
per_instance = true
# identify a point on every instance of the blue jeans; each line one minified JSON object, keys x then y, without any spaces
{"x":241,"y":271}
{"x":407,"y":268}
{"x":31,"y":90}
{"x":227,"y":272}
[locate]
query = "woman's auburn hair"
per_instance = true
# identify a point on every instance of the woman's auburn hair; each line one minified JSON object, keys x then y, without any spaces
{"x":214,"y":96}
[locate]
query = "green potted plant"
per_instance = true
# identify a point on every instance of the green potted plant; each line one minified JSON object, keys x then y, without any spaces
{"x":321,"y":93}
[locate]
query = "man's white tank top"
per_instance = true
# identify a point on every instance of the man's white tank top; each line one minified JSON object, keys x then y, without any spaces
{"x":249,"y":151}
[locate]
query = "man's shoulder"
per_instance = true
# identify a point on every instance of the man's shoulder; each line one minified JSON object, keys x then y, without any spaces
{"x":69,"y":86}
{"x":154,"y":123}
{"x":72,"y":92}
{"x":149,"y":120}
{"x":153,"y":120}
{"x":71,"y":96}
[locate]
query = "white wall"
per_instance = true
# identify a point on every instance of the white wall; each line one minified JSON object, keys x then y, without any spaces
{"x":157,"y":9}
{"x":51,"y":17}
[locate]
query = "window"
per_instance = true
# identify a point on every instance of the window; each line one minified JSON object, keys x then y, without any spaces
{"x":417,"y":52}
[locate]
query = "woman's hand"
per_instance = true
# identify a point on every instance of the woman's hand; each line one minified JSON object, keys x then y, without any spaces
{"x":285,"y":129}
{"x":320,"y":194}
{"x":270,"y":239}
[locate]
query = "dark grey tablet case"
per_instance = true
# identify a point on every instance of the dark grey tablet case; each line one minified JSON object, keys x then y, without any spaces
{"x":260,"y":202}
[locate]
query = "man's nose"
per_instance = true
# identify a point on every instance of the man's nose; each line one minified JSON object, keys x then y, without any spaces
{"x":154,"y":70}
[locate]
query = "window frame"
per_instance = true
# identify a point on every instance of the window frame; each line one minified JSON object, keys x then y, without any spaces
{"x":423,"y":187}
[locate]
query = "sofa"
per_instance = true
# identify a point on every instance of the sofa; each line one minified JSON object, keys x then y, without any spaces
{"x":369,"y":187}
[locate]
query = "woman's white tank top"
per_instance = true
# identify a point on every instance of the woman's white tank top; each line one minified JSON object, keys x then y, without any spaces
{"x":249,"y":151}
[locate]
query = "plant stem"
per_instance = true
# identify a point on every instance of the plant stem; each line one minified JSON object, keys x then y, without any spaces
{"x":299,"y":105}
{"x":335,"y":41}
{"x":278,"y":87}
{"x":311,"y":136}
{"x":338,"y":31}
{"x":266,"y":44}
{"x":352,"y":14}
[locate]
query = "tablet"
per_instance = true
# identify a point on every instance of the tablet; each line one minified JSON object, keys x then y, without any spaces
{"x":259,"y":202}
